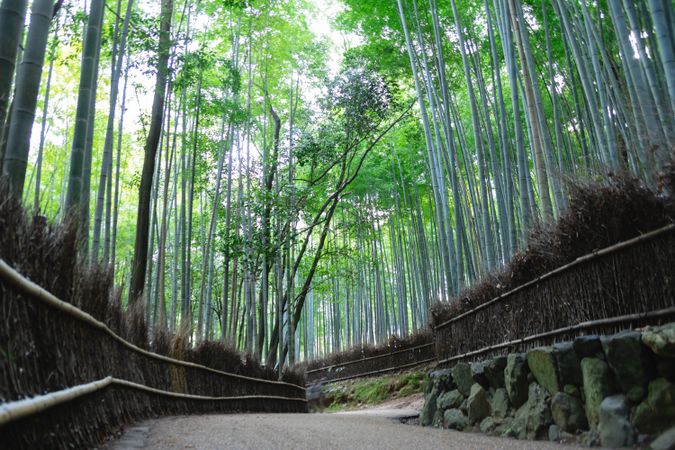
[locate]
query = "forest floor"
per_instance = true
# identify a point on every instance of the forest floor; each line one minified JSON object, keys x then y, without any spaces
{"x":374,"y":428}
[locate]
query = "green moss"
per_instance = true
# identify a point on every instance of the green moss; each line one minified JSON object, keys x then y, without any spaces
{"x":335,"y":407}
{"x":372,"y":392}
{"x":543,"y":366}
{"x":348,"y":395}
{"x":412,"y":384}
{"x":340,"y":396}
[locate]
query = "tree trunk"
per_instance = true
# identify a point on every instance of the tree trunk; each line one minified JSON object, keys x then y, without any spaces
{"x":87,"y":89}
{"x":43,"y":127}
{"x":139,"y":264}
{"x":117,"y":59}
{"x":12,"y":16}
{"x":25,"y":100}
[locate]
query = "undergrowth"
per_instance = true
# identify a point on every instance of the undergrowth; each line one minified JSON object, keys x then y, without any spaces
{"x":366,"y":392}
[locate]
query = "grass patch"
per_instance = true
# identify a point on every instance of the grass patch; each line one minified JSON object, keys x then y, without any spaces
{"x":372,"y":392}
{"x":413,"y":384}
{"x":359,"y":393}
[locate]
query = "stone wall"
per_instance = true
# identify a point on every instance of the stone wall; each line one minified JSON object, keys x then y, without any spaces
{"x":614,"y":391}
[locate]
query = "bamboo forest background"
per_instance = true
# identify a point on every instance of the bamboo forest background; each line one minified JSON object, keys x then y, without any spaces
{"x":251,"y":181}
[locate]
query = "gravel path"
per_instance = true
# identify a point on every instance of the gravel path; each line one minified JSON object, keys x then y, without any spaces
{"x":378,"y":429}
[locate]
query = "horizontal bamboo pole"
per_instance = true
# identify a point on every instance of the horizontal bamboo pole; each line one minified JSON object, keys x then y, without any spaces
{"x":380,"y":371}
{"x":151,"y":390}
{"x":10,"y":412}
{"x":582,"y":259}
{"x":568,"y":329}
{"x":355,"y":361}
{"x":32,"y":290}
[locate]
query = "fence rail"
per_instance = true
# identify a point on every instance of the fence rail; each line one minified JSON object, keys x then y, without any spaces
{"x":13,"y":411}
{"x":631,"y":283}
{"x":374,"y":365}
{"x":631,"y":319}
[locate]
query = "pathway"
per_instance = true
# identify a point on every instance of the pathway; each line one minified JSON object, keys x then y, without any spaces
{"x":369,"y":429}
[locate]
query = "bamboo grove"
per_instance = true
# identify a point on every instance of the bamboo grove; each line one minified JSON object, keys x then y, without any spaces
{"x":254,"y":180}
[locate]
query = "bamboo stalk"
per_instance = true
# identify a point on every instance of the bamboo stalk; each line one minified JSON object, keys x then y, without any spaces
{"x":568,"y":329}
{"x":10,"y":412}
{"x":32,"y":290}
{"x":591,"y":256}
{"x":355,"y":361}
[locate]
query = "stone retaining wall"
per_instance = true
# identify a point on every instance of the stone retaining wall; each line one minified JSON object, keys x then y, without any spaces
{"x":614,"y":391}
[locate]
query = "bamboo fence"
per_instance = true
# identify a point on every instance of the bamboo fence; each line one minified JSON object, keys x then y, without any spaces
{"x":67,"y":380}
{"x":628,"y":284}
{"x":374,"y":365}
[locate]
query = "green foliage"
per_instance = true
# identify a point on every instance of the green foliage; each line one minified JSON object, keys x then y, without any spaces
{"x":412,"y":384}
{"x":360,"y":96}
{"x":372,"y":391}
{"x":357,"y":100}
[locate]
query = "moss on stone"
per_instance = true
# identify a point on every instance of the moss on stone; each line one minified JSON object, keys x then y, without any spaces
{"x":541,"y":362}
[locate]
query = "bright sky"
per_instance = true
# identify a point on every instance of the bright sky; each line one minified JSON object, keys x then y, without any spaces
{"x":326,"y":11}
{"x":321,"y":25}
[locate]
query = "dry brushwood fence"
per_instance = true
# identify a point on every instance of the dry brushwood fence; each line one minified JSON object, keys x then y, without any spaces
{"x":627,"y":284}
{"x":373,"y":365}
{"x":67,"y":380}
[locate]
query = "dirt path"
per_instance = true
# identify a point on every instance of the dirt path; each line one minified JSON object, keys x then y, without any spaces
{"x":367,"y":429}
{"x":412,"y":403}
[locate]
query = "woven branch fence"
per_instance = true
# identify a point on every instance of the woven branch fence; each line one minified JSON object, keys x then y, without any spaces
{"x":49,"y":346}
{"x":373,"y":365}
{"x":630,"y":284}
